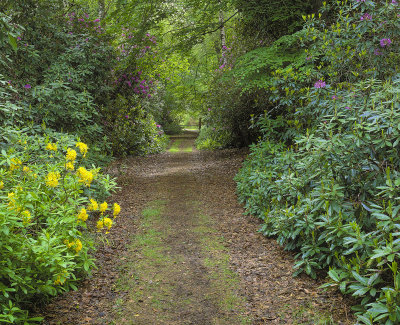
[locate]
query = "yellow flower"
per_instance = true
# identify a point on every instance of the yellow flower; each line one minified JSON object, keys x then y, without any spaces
{"x":68,"y":243}
{"x":100,"y":225}
{"x":71,"y":154}
{"x":61,"y":278}
{"x":1,"y":185}
{"x":82,"y":215}
{"x":11,"y":197}
{"x":85,"y":176}
{"x":69,"y":165}
{"x":78,"y":245}
{"x":58,"y":281}
{"x":15,"y":164}
{"x":103,"y":207}
{"x":51,"y":147}
{"x":93,"y":206}
{"x":117,"y":209}
{"x":107,"y":223}
{"x":26,"y":217}
{"x":52,"y":179}
{"x":26,"y":169}
{"x":83,"y":148}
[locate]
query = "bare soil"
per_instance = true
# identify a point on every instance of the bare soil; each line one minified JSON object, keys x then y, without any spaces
{"x":183,"y":252}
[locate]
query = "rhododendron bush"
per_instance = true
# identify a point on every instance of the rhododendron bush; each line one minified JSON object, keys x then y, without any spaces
{"x":325,"y":177}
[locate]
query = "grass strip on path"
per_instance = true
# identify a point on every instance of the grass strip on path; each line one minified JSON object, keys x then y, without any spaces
{"x":175,"y":144}
{"x":168,"y":285}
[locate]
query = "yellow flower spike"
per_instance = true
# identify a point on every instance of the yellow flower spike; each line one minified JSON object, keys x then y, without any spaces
{"x":100,"y":225}
{"x":83,"y":148}
{"x":15,"y":164}
{"x":52,"y":179}
{"x":107,"y":223}
{"x":57,"y":281}
{"x":85,"y":176}
{"x":26,"y":217}
{"x":103,"y":206}
{"x":11,"y":203}
{"x":1,"y":185}
{"x":82,"y":215}
{"x":68,"y":243}
{"x":117,"y":209}
{"x":71,"y":154}
{"x":51,"y":146}
{"x":69,"y":166}
{"x":93,"y":206}
{"x":78,"y":245}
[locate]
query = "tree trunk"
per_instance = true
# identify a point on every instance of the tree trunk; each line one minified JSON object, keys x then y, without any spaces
{"x":224,"y":60}
{"x":102,"y":9}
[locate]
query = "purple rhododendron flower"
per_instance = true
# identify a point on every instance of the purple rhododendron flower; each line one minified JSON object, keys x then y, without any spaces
{"x":366,"y":16}
{"x":158,"y":125}
{"x":27,"y":86}
{"x":385,"y":41}
{"x":334,"y":97}
{"x":320,"y":84}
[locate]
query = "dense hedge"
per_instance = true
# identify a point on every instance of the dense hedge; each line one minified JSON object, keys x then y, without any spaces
{"x":325,"y":177}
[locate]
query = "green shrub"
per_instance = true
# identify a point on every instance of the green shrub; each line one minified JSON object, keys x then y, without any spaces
{"x":47,"y":196}
{"x":333,"y":196}
{"x":324,"y":178}
{"x":132,"y":130}
{"x":210,"y":138}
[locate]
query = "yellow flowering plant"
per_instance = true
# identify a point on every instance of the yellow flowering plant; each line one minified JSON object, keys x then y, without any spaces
{"x":51,"y":146}
{"x":47,"y":207}
{"x":71,"y":154}
{"x":83,"y":148}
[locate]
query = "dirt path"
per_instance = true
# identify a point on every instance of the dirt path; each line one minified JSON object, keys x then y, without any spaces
{"x":183,"y":253}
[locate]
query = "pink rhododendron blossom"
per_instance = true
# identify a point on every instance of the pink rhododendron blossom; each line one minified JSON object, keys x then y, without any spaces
{"x":385,"y":42}
{"x":366,"y":16}
{"x":320,"y":84}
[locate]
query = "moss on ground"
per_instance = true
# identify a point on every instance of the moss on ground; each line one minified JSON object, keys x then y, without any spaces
{"x":153,"y":264}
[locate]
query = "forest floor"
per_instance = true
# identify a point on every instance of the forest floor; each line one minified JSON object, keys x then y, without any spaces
{"x":182,"y":252}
